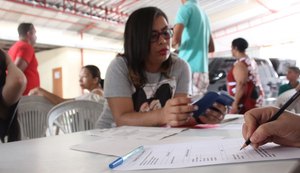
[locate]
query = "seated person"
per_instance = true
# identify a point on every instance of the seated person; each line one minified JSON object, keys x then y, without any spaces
{"x":12,"y":85}
{"x":147,"y":85}
{"x":89,"y":78}
{"x":292,"y":76}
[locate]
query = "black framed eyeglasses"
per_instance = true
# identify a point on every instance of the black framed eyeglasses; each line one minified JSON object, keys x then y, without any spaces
{"x":166,"y":34}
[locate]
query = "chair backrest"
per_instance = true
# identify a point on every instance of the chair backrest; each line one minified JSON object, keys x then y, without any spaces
{"x":285,"y":96}
{"x":75,"y":115}
{"x":32,"y":116}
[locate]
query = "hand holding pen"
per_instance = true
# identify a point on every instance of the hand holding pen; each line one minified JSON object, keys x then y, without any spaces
{"x":284,"y":131}
{"x":267,"y":131}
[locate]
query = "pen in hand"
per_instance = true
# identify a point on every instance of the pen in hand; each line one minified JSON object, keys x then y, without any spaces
{"x":121,"y":159}
{"x":277,"y":114}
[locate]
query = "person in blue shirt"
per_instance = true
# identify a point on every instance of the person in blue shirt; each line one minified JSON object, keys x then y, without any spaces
{"x":292,"y":75}
{"x":192,"y":37}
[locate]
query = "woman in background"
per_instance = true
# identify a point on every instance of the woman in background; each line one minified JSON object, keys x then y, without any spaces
{"x":89,"y":79}
{"x":242,"y":80}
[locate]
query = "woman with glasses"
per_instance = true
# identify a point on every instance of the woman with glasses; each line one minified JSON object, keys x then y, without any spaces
{"x":147,"y":85}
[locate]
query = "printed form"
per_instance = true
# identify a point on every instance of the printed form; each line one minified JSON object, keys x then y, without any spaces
{"x":214,"y":152}
{"x":136,"y":132}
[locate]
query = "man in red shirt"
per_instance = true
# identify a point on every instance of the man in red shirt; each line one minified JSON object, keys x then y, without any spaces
{"x":22,"y":53}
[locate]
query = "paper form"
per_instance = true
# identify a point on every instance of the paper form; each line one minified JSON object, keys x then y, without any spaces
{"x":230,"y":127}
{"x":111,"y":146}
{"x":232,"y":122}
{"x":191,"y":154}
{"x":136,"y":132}
{"x":117,"y":146}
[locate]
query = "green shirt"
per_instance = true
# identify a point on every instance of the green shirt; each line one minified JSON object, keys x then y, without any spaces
{"x":195,"y":37}
{"x":284,"y":88}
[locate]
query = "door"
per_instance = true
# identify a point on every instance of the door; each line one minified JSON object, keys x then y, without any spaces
{"x":57,"y":81}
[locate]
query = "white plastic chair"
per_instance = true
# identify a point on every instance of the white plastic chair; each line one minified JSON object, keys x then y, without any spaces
{"x":32,"y":116}
{"x":75,"y":115}
{"x":285,"y":96}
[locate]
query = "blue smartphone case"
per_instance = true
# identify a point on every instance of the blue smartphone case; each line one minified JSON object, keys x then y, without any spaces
{"x":207,"y":101}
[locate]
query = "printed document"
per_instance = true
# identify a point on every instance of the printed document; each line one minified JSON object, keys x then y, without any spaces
{"x":136,"y":132}
{"x":112,"y":141}
{"x":117,"y":146}
{"x":225,"y":151}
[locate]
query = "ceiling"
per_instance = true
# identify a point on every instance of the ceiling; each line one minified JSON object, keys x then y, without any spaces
{"x":106,"y":18}
{"x":6,"y":44}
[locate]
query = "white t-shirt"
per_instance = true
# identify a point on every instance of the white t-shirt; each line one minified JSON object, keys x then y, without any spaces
{"x":91,"y":97}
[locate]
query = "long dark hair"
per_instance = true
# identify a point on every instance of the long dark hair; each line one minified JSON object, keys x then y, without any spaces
{"x":137,"y":44}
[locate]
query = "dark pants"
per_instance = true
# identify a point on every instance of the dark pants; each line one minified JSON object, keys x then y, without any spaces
{"x":9,"y":125}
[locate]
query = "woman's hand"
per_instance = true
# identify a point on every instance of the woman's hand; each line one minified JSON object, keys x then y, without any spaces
{"x":215,"y":115}
{"x":177,"y":111}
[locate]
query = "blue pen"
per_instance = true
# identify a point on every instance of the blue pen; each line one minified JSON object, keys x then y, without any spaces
{"x":121,"y":159}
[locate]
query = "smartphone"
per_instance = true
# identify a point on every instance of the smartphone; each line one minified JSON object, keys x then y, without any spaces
{"x":207,"y":101}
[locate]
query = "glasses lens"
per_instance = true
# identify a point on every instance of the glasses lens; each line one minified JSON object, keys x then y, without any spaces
{"x":154,"y":36}
{"x":167,"y":34}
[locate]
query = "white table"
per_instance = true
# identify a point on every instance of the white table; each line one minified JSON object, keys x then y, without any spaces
{"x":52,"y":155}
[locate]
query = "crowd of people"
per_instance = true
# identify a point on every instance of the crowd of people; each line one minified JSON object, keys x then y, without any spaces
{"x":148,"y":85}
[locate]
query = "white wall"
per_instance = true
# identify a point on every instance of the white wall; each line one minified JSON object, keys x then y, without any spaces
{"x":99,"y":58}
{"x":70,"y":61}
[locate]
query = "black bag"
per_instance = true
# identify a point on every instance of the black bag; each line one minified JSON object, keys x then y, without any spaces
{"x":255,"y":92}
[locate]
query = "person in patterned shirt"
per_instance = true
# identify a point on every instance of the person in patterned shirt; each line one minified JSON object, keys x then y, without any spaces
{"x":243,"y":82}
